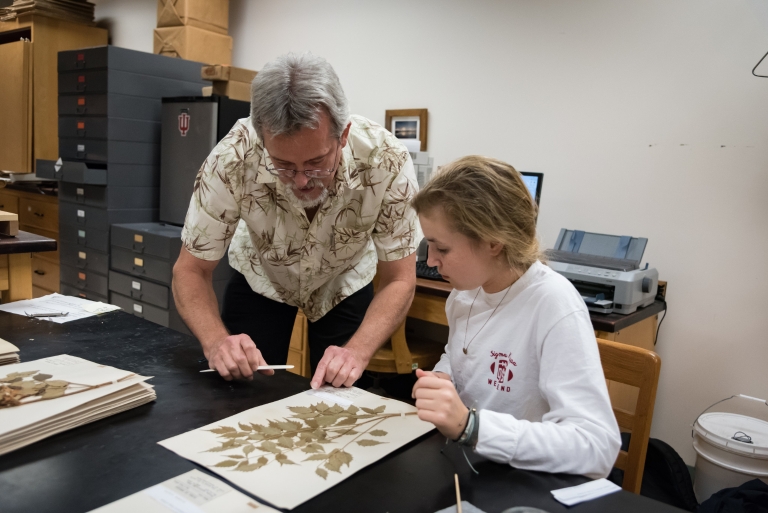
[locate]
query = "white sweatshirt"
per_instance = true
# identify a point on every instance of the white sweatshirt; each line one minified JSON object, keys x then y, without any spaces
{"x":533,"y":372}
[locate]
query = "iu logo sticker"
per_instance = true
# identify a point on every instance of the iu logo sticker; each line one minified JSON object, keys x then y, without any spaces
{"x":183,"y":123}
{"x":501,"y":368}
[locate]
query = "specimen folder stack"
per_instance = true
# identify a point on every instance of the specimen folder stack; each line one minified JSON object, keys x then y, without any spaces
{"x":8,"y":353}
{"x":44,"y":397}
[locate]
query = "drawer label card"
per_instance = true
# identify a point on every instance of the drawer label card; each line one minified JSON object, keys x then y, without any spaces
{"x":81,"y":125}
{"x":81,"y":101}
{"x":81,"y":255}
{"x":81,"y":147}
{"x":137,"y":308}
{"x":80,"y":192}
{"x":138,"y":238}
{"x":81,"y":276}
{"x":139,"y":262}
{"x":136,"y":285}
{"x":81,"y":213}
{"x":81,"y":233}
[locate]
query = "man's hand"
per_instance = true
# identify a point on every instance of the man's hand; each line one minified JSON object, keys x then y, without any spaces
{"x":339,"y":366}
{"x":439,"y":403}
{"x":236,"y":357}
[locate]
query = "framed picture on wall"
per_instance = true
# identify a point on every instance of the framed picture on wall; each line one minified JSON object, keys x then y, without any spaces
{"x":408,"y":124}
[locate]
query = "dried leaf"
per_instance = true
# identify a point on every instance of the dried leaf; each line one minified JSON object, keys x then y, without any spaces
{"x":306,"y":436}
{"x":311,"y":423}
{"x":319,"y":434}
{"x":255,"y":436}
{"x":257,"y":427}
{"x":369,"y":443}
{"x":335,"y":409}
{"x":353,"y":409}
{"x":300,"y":409}
{"x":226,"y":463}
{"x":289,"y":426}
{"x":368,"y":410}
{"x":236,"y":434}
{"x":53,"y":393}
{"x":223,"y":429}
{"x":344,"y":457}
{"x":228,"y":444}
{"x":57,"y":383}
{"x":282,"y":459}
{"x":42,"y":377}
{"x":218,"y":449}
{"x":269,"y":447}
{"x":311,"y":448}
{"x":245,"y":427}
{"x":347,"y":421}
{"x":235,"y":456}
{"x":322,"y":473}
{"x":272,"y":431}
{"x":333,"y":465}
{"x":284,"y":441}
{"x":380,"y":409}
{"x":248,"y":449}
{"x":321,"y":406}
{"x":327,"y":421}
{"x":378,"y":432}
{"x":317,"y":457}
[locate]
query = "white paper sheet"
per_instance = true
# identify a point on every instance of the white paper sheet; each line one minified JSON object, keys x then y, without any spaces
{"x":193,"y":492}
{"x":304,"y":444}
{"x":75,"y":307}
{"x":585,"y":492}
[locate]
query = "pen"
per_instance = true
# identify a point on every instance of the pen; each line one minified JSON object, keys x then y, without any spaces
{"x":52,"y":314}
{"x":261,"y":367}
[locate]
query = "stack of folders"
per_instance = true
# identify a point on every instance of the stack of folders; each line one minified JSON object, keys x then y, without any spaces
{"x":44,"y":397}
{"x":8,"y":353}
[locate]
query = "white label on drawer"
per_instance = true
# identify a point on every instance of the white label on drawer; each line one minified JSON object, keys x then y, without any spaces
{"x":81,"y":255}
{"x":81,"y":147}
{"x":81,"y":233}
{"x":138,"y":308}
{"x":81,"y":213}
{"x":136,"y":285}
{"x":80,"y":191}
{"x":138,"y":261}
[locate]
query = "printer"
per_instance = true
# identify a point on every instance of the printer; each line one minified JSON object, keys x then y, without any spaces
{"x":605,"y":269}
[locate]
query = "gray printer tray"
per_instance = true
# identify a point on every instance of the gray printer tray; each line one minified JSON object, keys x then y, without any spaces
{"x":154,"y":268}
{"x":111,"y":105}
{"x":163,"y":317}
{"x":83,"y":258}
{"x":69,"y":290}
{"x":116,"y":58}
{"x":101,"y":196}
{"x":109,"y":152}
{"x":86,"y":237}
{"x":119,"y":175}
{"x":101,"y":219}
{"x":125,"y":82}
{"x":114,"y":129}
{"x":85,"y":280}
{"x":152,"y":293}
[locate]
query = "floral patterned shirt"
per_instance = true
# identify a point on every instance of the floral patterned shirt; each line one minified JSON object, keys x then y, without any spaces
{"x":313,"y":265}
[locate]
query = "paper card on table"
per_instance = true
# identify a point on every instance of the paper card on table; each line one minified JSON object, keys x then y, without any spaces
{"x":8,"y":353}
{"x":75,"y":307}
{"x":342,"y":396}
{"x":193,"y":492}
{"x":585,"y":492}
{"x":289,"y":451}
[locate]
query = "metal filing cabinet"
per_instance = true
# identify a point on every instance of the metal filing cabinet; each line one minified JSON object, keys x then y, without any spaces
{"x":110,"y":105}
{"x":141,"y":262}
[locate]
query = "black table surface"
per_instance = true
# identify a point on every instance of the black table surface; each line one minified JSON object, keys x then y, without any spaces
{"x":26,"y":242}
{"x":98,"y":463}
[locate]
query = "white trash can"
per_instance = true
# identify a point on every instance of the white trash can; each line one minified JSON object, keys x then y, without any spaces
{"x":731,"y":449}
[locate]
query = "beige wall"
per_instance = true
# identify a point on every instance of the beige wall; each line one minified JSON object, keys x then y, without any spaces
{"x":643,"y":116}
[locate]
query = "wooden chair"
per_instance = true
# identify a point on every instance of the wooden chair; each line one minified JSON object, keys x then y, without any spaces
{"x":639,"y":368}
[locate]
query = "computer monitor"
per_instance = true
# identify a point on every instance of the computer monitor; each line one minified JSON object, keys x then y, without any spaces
{"x":533,"y":181}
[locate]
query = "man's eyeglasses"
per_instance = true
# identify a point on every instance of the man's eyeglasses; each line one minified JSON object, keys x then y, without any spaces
{"x":289,"y":174}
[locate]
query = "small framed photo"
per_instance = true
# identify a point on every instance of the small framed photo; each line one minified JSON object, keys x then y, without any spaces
{"x":408,"y":124}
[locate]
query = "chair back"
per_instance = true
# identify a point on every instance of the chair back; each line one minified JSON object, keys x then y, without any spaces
{"x":637,"y":367}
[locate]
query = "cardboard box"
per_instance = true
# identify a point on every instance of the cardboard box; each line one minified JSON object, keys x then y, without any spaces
{"x":225,"y":73}
{"x":193,"y":44}
{"x":234,"y":90}
{"x":212,"y":15}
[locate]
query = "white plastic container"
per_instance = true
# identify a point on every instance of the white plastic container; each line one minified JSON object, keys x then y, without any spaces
{"x":723,"y":461}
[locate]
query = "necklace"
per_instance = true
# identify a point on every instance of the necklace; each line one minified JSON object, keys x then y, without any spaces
{"x":486,"y":321}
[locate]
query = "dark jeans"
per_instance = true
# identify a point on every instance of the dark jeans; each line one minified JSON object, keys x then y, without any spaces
{"x":269,"y":323}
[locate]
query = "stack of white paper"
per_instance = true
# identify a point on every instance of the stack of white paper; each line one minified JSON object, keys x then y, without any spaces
{"x":8,"y":353}
{"x":288,"y":451}
{"x":44,"y":397}
{"x":193,"y":492}
{"x":58,"y":308}
{"x":585,"y":492}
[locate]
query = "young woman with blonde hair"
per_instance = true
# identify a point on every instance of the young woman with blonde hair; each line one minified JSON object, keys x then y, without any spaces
{"x":520,"y":380}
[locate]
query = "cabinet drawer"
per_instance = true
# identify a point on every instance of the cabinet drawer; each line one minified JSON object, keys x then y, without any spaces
{"x":52,"y":256}
{"x":38,"y":292}
{"x":44,"y":274}
{"x":9,"y":203}
{"x":39,"y":214}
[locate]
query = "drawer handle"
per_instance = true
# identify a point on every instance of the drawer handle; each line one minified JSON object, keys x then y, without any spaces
{"x":39,"y":272}
{"x":38,"y":214}
{"x":82,"y":110}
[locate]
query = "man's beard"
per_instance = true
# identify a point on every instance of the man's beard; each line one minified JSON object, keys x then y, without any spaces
{"x":309,"y":203}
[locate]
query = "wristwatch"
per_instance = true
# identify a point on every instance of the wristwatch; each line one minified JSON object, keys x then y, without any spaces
{"x":471,"y":430}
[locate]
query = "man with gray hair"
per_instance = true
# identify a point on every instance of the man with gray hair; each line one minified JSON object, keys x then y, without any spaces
{"x":312,"y":200}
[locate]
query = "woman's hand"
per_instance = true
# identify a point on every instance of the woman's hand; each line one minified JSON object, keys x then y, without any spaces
{"x":439,"y":403}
